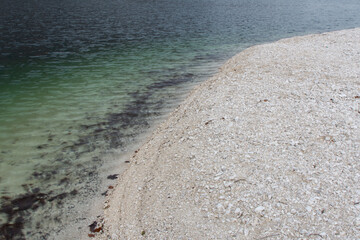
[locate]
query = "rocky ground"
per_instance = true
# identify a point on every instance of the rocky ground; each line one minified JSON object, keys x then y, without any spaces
{"x":269,"y":148}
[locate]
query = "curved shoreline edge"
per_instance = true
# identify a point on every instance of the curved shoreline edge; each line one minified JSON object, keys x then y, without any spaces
{"x":268,"y":148}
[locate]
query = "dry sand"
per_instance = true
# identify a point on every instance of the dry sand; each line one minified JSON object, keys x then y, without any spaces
{"x":269,"y":148}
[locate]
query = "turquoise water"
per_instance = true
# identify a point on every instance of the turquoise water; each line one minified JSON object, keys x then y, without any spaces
{"x":81,"y":80}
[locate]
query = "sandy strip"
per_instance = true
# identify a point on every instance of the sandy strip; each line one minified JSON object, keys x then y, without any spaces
{"x":269,"y":148}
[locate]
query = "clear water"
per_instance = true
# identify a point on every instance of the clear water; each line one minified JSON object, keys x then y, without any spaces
{"x":80,"y":80}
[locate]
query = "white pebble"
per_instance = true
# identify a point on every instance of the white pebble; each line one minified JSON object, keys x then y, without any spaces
{"x":259,"y":209}
{"x":357,"y":221}
{"x":237,"y":211}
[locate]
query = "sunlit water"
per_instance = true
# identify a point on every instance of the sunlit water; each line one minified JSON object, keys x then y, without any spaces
{"x":80,"y":81}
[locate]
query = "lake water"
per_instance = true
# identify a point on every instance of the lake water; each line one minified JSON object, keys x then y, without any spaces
{"x":81,"y":80}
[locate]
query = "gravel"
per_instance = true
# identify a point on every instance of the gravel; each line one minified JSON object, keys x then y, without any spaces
{"x":266,"y":149}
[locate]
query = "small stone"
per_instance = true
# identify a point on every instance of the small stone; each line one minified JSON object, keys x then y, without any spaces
{"x":228,"y":210}
{"x":233,"y":177}
{"x":227,"y":183}
{"x":357,"y":221}
{"x":259,"y":209}
{"x":237,"y":211}
{"x":308,"y":208}
{"x":114,"y":236}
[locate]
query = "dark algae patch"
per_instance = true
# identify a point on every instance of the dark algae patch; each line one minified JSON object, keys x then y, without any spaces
{"x":12,"y":231}
{"x":114,"y":131}
{"x":15,"y":210}
{"x":95,"y":227}
{"x":18,"y":211}
{"x":113,"y":176}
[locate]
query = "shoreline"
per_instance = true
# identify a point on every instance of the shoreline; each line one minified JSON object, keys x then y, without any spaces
{"x":266,"y":148}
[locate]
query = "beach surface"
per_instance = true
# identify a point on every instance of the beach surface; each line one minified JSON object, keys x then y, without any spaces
{"x":268,"y":148}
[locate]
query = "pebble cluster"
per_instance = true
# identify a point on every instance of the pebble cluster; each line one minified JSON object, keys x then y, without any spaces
{"x":269,"y":148}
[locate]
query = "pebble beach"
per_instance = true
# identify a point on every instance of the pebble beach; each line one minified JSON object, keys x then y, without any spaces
{"x":268,"y":148}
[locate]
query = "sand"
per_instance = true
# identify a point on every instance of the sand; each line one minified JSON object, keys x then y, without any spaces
{"x":269,"y":148}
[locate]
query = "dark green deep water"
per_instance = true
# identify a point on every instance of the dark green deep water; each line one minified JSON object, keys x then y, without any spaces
{"x":81,"y":79}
